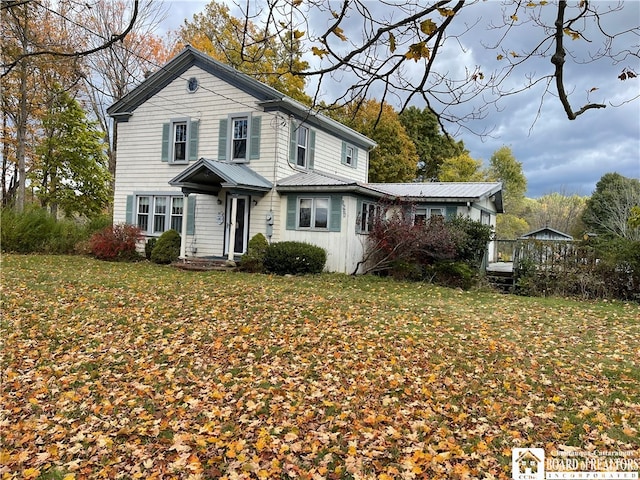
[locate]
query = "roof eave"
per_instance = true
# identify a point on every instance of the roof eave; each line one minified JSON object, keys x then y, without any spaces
{"x":304,"y":112}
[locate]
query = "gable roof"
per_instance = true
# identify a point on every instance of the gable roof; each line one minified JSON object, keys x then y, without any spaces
{"x":268,"y":97}
{"x":533,"y":233}
{"x":209,"y":176}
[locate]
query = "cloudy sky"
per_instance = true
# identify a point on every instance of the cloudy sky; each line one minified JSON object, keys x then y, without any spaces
{"x":558,"y":155}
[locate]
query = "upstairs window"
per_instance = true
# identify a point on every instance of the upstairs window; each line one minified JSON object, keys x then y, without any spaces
{"x":239,"y":138}
{"x":348,"y":158}
{"x":349,"y":155}
{"x":301,"y":153}
{"x":240,"y":135}
{"x":302,"y":146}
{"x":180,"y":142}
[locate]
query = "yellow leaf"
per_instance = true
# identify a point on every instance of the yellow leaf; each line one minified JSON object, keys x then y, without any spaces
{"x":392,"y":42}
{"x":428,"y":27}
{"x":298,"y":34}
{"x":418,"y":51}
{"x":446,"y":12}
{"x":339,"y":33}
{"x":31,"y":473}
{"x":499,"y":57}
{"x":514,"y":17}
{"x":514,"y":54}
{"x":69,"y":476}
{"x":320,"y":52}
{"x":572,"y":33}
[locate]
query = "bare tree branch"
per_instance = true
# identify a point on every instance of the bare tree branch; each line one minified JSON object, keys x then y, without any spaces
{"x":115,"y":37}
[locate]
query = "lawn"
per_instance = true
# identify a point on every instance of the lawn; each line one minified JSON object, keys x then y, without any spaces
{"x":143,"y":371}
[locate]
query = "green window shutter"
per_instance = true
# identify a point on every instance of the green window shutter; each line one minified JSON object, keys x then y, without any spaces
{"x":292,"y":202}
{"x":312,"y":149}
{"x":166,"y":127}
{"x":129,"y":210}
{"x":343,"y":155}
{"x":451,"y":212}
{"x":193,"y":140}
{"x":254,"y":148}
{"x":335,"y":216}
{"x":293,"y":142}
{"x":222,"y":139}
{"x":191,"y":215}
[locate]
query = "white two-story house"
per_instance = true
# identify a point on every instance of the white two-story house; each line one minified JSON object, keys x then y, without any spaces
{"x":220,"y":157}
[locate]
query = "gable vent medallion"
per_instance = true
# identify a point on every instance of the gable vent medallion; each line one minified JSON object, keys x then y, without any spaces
{"x":192,"y":84}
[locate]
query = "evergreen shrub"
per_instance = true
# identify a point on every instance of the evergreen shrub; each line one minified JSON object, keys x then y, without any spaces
{"x":167,"y":248}
{"x":294,"y":258}
{"x":253,"y":259}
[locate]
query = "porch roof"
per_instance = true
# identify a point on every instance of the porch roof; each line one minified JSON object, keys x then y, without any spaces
{"x":211,"y":176}
{"x":453,"y":192}
{"x":310,"y":181}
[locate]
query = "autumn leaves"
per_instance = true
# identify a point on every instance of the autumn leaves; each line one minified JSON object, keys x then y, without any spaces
{"x":141,"y":371}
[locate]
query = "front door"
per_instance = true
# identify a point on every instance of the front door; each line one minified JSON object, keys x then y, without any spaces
{"x":239,"y":238}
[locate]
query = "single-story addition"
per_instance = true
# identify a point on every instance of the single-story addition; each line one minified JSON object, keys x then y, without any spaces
{"x":547,"y":233}
{"x":220,"y":157}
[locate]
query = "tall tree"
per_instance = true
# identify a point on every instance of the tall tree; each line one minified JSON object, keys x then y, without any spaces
{"x":400,"y":49}
{"x":461,"y":168}
{"x":503,"y":167}
{"x":394,"y":159}
{"x":111,"y":72}
{"x":29,"y":27}
{"x":610,"y":207}
{"x":70,"y":171}
{"x":239,"y":42}
{"x":432,"y":144}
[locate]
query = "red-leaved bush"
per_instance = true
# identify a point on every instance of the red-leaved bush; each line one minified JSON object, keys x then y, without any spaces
{"x":117,"y":242}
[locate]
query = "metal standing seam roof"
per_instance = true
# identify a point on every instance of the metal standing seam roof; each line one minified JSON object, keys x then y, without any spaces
{"x":315,"y":179}
{"x":444,"y":190}
{"x":233,"y":174}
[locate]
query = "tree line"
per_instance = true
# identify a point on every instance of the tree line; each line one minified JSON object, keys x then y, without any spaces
{"x":65,"y":62}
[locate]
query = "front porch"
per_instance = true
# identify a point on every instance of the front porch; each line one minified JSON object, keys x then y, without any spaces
{"x":237,"y":188}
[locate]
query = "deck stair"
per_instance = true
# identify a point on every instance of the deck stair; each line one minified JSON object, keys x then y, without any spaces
{"x":501,"y":276}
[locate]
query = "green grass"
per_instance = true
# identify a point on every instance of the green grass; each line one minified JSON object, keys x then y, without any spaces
{"x":128,"y":370}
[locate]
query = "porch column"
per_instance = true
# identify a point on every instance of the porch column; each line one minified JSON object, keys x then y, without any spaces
{"x":232,"y":227}
{"x":183,"y":233}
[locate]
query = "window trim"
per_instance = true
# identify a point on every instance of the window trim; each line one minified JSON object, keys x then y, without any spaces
{"x":363,"y":220}
{"x":169,"y":140}
{"x":151,"y":213}
{"x":350,"y":161}
{"x":313,"y":220}
{"x":299,"y":146}
{"x":233,"y":119}
{"x":295,"y":146}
